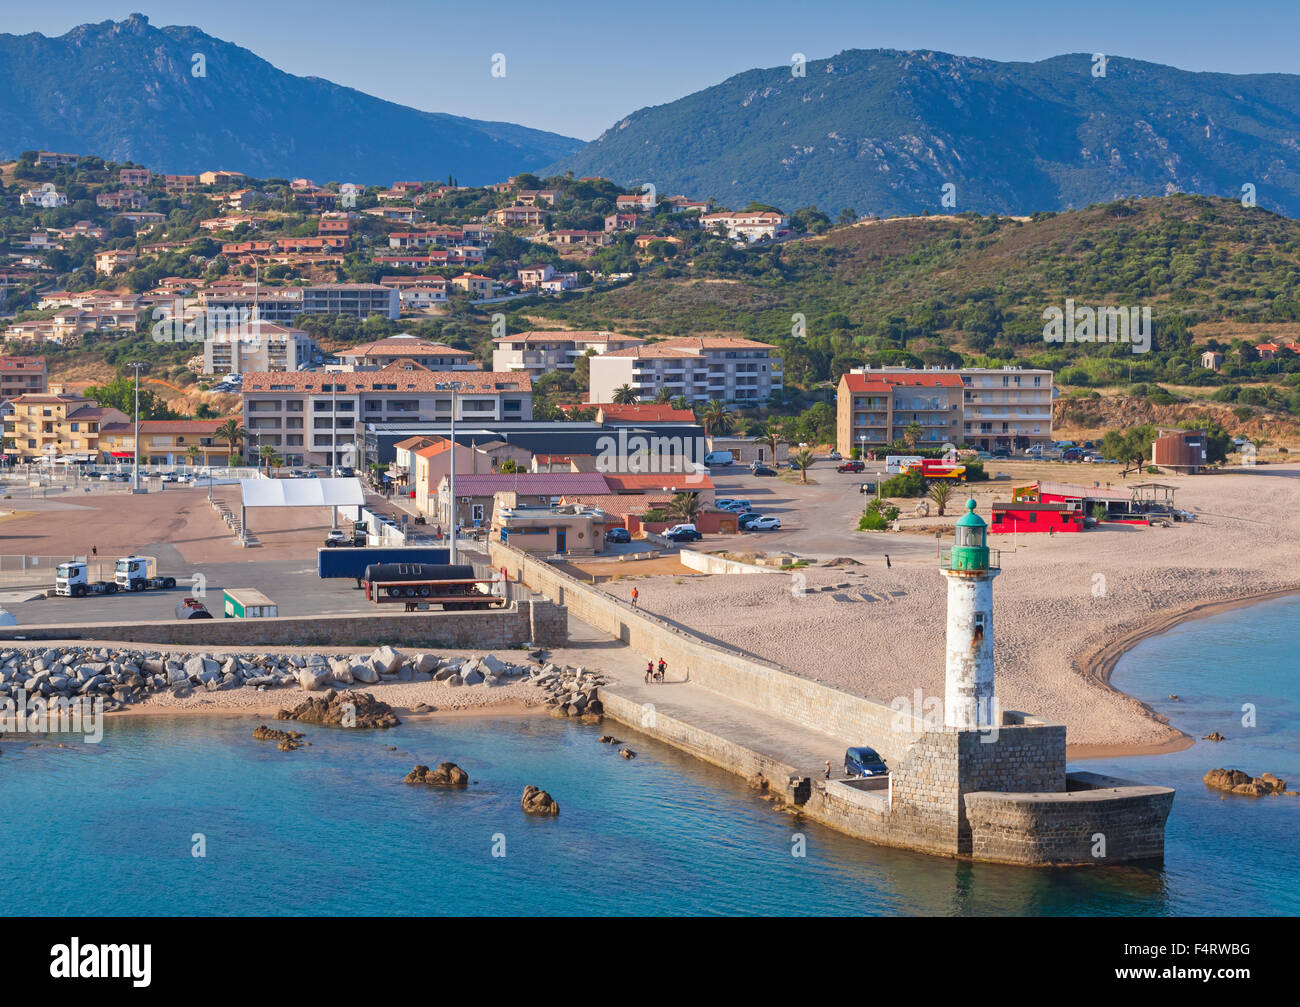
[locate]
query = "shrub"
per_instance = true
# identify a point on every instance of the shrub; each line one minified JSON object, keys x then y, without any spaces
{"x":877,"y":517}
{"x":908,"y":484}
{"x":975,"y":471}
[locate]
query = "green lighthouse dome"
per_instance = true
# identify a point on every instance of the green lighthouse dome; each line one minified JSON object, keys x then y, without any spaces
{"x":970,"y":548}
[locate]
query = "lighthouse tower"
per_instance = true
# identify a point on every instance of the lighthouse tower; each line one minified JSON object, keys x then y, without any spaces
{"x":968,"y":684}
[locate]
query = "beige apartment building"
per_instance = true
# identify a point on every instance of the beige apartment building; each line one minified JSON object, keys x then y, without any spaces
{"x":56,"y":427}
{"x":874,"y":408}
{"x":539,"y":353}
{"x":978,"y":407}
{"x":319,"y":417}
{"x":266,"y":347}
{"x":698,"y":368}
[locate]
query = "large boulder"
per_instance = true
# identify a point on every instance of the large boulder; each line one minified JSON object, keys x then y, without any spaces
{"x":364,"y":671}
{"x":448,"y":774}
{"x":385,"y":660}
{"x":491,"y":665}
{"x":314,"y":679}
{"x":425,"y":664}
{"x":341,"y":671}
{"x":472,"y":677}
{"x":538,"y":802}
{"x":198,"y":665}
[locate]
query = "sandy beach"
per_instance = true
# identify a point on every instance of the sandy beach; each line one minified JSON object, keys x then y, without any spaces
{"x":1066,"y":606}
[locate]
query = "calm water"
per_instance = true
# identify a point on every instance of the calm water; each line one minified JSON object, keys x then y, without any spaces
{"x":331,"y":829}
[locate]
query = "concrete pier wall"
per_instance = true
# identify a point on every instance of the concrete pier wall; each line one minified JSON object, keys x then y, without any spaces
{"x":1001,"y":796}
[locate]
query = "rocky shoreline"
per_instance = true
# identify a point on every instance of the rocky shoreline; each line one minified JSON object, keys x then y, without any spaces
{"x":126,"y":676}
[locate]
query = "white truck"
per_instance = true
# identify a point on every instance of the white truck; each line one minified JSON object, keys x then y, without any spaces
{"x":72,"y":580}
{"x":140,"y":573}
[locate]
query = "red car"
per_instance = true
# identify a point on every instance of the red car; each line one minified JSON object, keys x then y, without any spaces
{"x":853,"y":466}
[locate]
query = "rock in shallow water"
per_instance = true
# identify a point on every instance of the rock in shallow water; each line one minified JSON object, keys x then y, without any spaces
{"x":538,"y":802}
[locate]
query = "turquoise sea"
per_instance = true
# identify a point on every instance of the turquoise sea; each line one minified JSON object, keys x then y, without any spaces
{"x":331,"y":829}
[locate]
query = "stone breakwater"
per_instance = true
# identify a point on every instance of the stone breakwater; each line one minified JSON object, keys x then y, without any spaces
{"x":123,"y":676}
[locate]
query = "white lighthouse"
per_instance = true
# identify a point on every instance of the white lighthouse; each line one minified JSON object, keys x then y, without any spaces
{"x":968,"y":683}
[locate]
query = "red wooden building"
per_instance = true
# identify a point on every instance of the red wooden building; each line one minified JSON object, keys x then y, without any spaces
{"x":1024,"y":516}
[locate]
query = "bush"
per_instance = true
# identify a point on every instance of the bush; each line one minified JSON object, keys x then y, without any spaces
{"x":908,"y":484}
{"x":877,"y":517}
{"x":975,"y":471}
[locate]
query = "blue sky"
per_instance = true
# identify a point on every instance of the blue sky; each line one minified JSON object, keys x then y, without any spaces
{"x":576,"y":67}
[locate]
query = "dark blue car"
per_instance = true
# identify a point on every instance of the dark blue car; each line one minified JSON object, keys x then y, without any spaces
{"x":618,"y":535}
{"x":864,"y":762}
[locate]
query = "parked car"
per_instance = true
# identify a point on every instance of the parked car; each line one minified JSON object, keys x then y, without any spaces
{"x":336,"y":537}
{"x":1072,"y":455}
{"x":983,"y":456}
{"x":764,"y":524}
{"x":722,"y":503}
{"x":683,"y":533}
{"x":618,"y":535}
{"x":864,"y":762}
{"x":763,"y":470}
{"x":1002,"y":453}
{"x":834,"y":456}
{"x":746,"y":519}
{"x":856,"y":465}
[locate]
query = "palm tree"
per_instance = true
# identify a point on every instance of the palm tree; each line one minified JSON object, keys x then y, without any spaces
{"x":624,"y":395}
{"x":192,"y":454}
{"x":267,"y":452}
{"x":680,"y":403}
{"x":233,"y":434}
{"x":664,"y":396}
{"x":802,"y":460}
{"x":940,"y":491}
{"x":912,"y":434}
{"x":715,"y":418}
{"x":684,"y":507}
{"x":278,"y":462}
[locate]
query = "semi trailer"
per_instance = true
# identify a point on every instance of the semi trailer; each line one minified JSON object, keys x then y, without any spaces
{"x":455,"y":588}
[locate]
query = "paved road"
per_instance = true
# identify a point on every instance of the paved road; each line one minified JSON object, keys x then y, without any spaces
{"x":818,"y":520}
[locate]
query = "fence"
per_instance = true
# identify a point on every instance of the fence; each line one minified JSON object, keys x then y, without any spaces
{"x":38,"y":571}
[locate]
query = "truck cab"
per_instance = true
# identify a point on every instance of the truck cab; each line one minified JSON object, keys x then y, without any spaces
{"x":139,"y":573}
{"x":68,"y":577}
{"x":133,"y":572}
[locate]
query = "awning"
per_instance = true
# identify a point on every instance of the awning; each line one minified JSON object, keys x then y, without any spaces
{"x":302,"y":492}
{"x":123,"y":454}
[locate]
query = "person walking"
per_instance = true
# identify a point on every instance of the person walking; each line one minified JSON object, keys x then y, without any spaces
{"x":635,"y":595}
{"x":649,"y":671}
{"x":828,"y":769}
{"x":663,"y":667}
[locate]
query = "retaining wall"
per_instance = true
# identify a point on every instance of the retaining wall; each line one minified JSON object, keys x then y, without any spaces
{"x":542,"y":623}
{"x":705,"y":563}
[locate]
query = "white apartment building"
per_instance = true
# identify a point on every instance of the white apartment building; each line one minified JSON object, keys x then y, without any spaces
{"x":403,"y":349}
{"x":264,"y":347}
{"x":1006,"y":407}
{"x":699,"y":368}
{"x":310,"y":417}
{"x":749,"y":226}
{"x":538,"y":353}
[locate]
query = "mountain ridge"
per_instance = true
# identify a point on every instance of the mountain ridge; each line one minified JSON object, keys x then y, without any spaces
{"x":101,"y":88}
{"x":882,"y":131}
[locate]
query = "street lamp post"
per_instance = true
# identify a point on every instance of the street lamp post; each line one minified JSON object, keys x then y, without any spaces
{"x":137,"y":366}
{"x":453,"y":387}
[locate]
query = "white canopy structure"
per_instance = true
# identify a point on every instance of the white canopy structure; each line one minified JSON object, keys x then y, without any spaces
{"x":297,"y":493}
{"x":302,"y":492}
